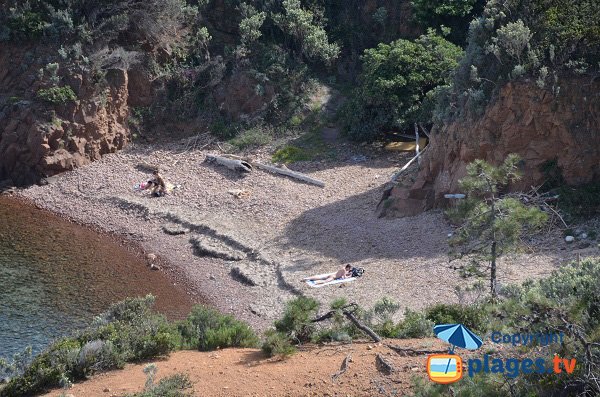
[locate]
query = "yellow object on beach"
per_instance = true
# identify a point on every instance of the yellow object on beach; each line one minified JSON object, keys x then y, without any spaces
{"x":409,"y":146}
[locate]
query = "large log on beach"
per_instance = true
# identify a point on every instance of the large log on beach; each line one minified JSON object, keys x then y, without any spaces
{"x":290,"y":173}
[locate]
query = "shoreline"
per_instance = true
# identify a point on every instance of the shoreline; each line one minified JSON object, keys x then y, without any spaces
{"x":130,"y":245}
{"x":247,"y":256}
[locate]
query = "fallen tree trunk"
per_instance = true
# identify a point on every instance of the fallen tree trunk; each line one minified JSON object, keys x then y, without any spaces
{"x":232,"y":164}
{"x":348,"y":311}
{"x":290,"y":173}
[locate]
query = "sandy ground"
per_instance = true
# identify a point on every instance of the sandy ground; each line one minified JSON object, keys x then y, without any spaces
{"x":278,"y":232}
{"x":245,"y":372}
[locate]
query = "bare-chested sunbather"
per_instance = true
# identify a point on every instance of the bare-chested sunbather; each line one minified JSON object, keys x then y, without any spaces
{"x":345,"y":272}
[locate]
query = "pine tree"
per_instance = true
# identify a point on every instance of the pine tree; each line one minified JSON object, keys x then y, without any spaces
{"x":491,"y":223}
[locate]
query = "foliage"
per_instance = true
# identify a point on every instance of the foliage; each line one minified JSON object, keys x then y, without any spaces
{"x":291,"y":154}
{"x":567,"y":301}
{"x":511,"y":39}
{"x":491,"y":224}
{"x":414,"y":325}
{"x":397,"y":81}
{"x":128,"y":331}
{"x":57,"y":95}
{"x":312,"y":38}
{"x":296,"y":321}
{"x":473,"y":317}
{"x":277,"y":344}
{"x":207,"y":329}
{"x":253,"y":137}
{"x":456,"y":15}
{"x":171,"y":386}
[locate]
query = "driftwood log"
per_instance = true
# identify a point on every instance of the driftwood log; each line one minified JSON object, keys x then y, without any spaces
{"x":246,"y":165}
{"x":348,"y":311}
{"x":408,"y":352}
{"x":401,"y":170}
{"x":290,"y":173}
{"x":233,"y":164}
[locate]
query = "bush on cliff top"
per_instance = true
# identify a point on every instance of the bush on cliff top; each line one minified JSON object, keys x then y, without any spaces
{"x":57,"y":95}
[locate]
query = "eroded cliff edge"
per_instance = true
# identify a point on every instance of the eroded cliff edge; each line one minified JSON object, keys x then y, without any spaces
{"x":546,"y":130}
{"x":40,"y":139}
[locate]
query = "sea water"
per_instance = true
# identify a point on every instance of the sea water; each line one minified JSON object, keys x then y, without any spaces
{"x":56,"y":276}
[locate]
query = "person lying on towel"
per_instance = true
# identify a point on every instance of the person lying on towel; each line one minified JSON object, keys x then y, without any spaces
{"x":345,"y":272}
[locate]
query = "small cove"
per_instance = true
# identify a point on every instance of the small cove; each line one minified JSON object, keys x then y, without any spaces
{"x":55,"y":276}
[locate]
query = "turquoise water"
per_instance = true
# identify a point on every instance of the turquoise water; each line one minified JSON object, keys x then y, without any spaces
{"x":56,"y":276}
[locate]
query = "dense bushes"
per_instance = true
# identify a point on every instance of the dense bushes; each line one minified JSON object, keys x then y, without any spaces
{"x":57,"y":95}
{"x":207,"y":329}
{"x":128,"y":331}
{"x":397,"y":85}
{"x":568,"y":301}
{"x":538,"y":39}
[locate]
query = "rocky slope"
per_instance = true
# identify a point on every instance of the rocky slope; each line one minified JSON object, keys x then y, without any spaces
{"x":41,"y":139}
{"x":556,"y":133}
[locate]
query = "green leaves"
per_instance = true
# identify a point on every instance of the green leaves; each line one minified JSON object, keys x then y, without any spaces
{"x":396,"y":80}
{"x":491,"y":224}
{"x":312,"y":37}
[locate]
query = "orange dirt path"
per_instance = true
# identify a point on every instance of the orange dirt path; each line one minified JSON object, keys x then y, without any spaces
{"x":246,"y":372}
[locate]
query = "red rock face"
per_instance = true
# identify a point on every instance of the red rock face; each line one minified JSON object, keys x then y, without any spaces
{"x":524,"y":119}
{"x":39,"y":139}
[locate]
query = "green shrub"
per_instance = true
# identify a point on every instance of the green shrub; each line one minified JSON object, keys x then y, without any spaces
{"x":128,"y":331}
{"x":57,"y":95}
{"x":414,"y":325}
{"x":296,"y":322}
{"x":395,"y":85}
{"x":472,"y":317}
{"x":26,"y":23}
{"x":539,"y":40}
{"x":253,"y":137}
{"x":277,"y":344}
{"x":207,"y":329}
{"x":171,"y":386}
{"x":452,"y":14}
{"x":223,"y":130}
{"x":291,"y":154}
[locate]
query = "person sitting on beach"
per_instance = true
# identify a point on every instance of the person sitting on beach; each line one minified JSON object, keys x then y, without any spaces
{"x":345,"y":272}
{"x":158,"y":185}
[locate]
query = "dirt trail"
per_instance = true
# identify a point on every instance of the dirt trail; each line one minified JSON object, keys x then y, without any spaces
{"x":247,"y":255}
{"x":245,"y":372}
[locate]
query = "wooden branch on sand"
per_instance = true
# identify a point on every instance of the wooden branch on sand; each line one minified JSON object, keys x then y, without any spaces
{"x":343,"y":368}
{"x":232,"y":164}
{"x":290,"y":173}
{"x":237,"y":163}
{"x":407,"y":352}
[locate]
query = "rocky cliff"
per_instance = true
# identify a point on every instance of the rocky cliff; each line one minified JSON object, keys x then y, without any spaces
{"x":40,"y":139}
{"x":562,"y":131}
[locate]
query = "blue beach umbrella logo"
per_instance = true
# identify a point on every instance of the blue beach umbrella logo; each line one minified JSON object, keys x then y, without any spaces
{"x":447,"y":368}
{"x":458,"y":336}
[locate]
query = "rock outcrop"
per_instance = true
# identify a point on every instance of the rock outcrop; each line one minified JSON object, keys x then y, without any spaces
{"x":38,"y":139}
{"x":542,"y":128}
